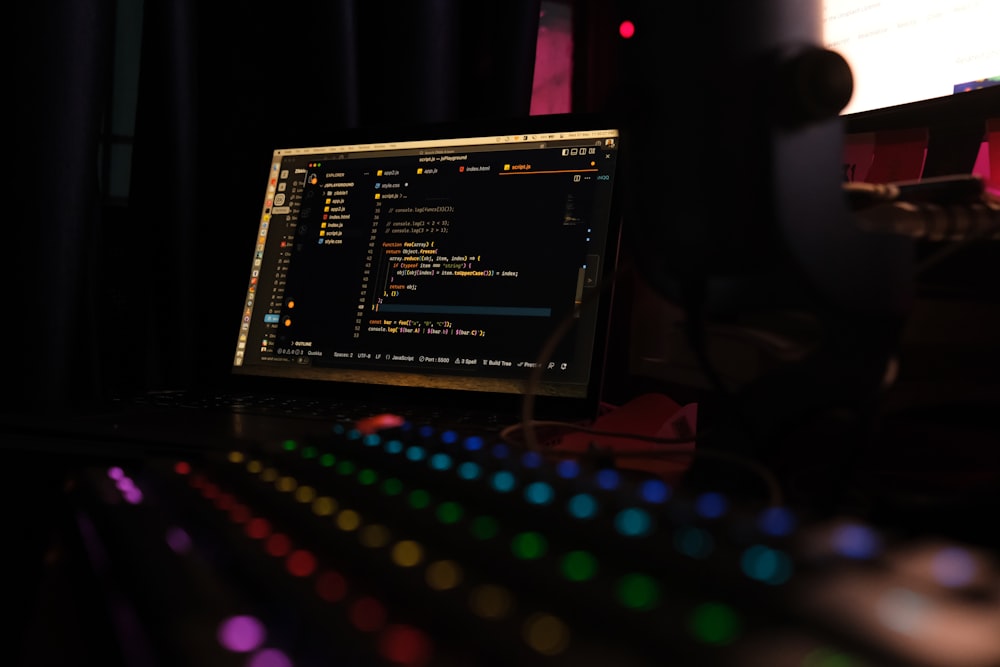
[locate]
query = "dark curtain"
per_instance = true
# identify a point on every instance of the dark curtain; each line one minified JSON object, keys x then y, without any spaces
{"x":60,"y":59}
{"x":147,"y":295}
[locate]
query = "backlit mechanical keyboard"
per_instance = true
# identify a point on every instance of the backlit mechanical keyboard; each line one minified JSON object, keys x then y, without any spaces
{"x":423,"y":546}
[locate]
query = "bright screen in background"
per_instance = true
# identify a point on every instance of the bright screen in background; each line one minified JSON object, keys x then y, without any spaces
{"x":903,"y":51}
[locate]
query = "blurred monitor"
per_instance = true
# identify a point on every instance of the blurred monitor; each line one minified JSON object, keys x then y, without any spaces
{"x":927,"y":65}
{"x":905,"y":51}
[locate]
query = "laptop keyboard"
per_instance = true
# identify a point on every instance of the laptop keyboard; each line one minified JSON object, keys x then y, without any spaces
{"x":424,"y":545}
{"x":310,"y":407}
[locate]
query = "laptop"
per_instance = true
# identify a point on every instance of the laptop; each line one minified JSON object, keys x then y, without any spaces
{"x":438,"y":272}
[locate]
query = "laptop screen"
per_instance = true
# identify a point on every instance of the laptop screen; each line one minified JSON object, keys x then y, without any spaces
{"x":441,"y":259}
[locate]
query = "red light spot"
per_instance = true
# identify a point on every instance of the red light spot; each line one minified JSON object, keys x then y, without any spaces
{"x":278,"y":545}
{"x":182,"y":468}
{"x":626,"y":29}
{"x":376,"y":423}
{"x":258,"y":528}
{"x":331,"y":586}
{"x":367,"y":614}
{"x":300,"y":563}
{"x":196,"y":481}
{"x":405,"y":645}
{"x":210,"y":491}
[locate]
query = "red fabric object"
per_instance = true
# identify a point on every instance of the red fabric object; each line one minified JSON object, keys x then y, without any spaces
{"x":650,"y":415}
